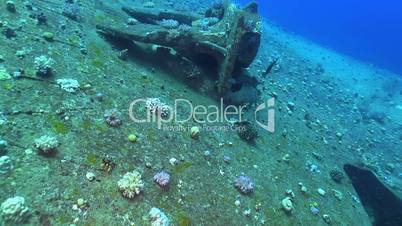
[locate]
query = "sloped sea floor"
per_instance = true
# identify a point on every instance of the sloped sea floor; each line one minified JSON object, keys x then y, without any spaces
{"x":331,"y":94}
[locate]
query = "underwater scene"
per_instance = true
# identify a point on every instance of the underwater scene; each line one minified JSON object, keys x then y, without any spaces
{"x":196,"y":112}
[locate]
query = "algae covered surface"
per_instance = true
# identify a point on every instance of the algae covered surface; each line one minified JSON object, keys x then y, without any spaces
{"x":329,"y":110}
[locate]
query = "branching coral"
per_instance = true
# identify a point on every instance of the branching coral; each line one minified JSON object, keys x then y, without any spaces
{"x":46,"y":144}
{"x":44,"y":66}
{"x":131,"y":184}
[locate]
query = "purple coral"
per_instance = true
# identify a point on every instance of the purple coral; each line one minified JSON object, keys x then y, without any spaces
{"x":162,"y":179}
{"x":244,"y":184}
{"x":113,"y":117}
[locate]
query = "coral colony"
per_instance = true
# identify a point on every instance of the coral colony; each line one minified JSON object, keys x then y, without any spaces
{"x":162,"y":179}
{"x":14,"y":211}
{"x":46,"y":144}
{"x":113,"y":117}
{"x":244,"y":184}
{"x":156,"y":106}
{"x":131,"y":184}
{"x":158,"y":218}
{"x":44,"y":66}
{"x":6,"y":165}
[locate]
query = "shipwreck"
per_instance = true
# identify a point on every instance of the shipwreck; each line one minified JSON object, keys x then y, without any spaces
{"x":212,"y":50}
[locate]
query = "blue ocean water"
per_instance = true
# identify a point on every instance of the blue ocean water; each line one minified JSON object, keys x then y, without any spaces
{"x":370,"y":31}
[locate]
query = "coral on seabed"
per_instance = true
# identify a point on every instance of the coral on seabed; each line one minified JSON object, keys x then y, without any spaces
{"x":155,"y":106}
{"x":131,"y":184}
{"x":162,"y":178}
{"x":44,"y":65}
{"x":10,"y":5}
{"x":287,"y":204}
{"x":244,"y":184}
{"x":4,"y":75}
{"x":14,"y":211}
{"x":68,"y":85}
{"x":46,"y":144}
{"x":158,"y":218}
{"x":5,"y":165}
{"x":113,"y":117}
{"x":246,"y":131}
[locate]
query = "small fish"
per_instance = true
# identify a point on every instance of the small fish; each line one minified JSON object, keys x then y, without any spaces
{"x":270,"y":66}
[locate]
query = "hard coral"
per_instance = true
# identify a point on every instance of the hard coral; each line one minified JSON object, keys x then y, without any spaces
{"x":131,"y":184}
{"x":244,"y":184}
{"x":44,"y":66}
{"x":69,"y":85}
{"x":158,"y":218}
{"x":162,"y":179}
{"x":113,"y":117}
{"x":5,"y":165}
{"x":14,"y":211}
{"x":169,"y":24}
{"x":155,"y":106}
{"x":46,"y":144}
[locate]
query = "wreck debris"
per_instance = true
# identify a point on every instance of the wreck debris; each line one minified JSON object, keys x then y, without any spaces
{"x":232,"y":41}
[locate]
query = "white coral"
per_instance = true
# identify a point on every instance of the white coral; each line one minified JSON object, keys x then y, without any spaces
{"x":5,"y":165}
{"x":158,"y":218}
{"x":169,"y":24}
{"x":13,"y":210}
{"x":131,"y":184}
{"x":156,"y":106}
{"x":46,"y":144}
{"x":44,"y":65}
{"x":68,"y":85}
